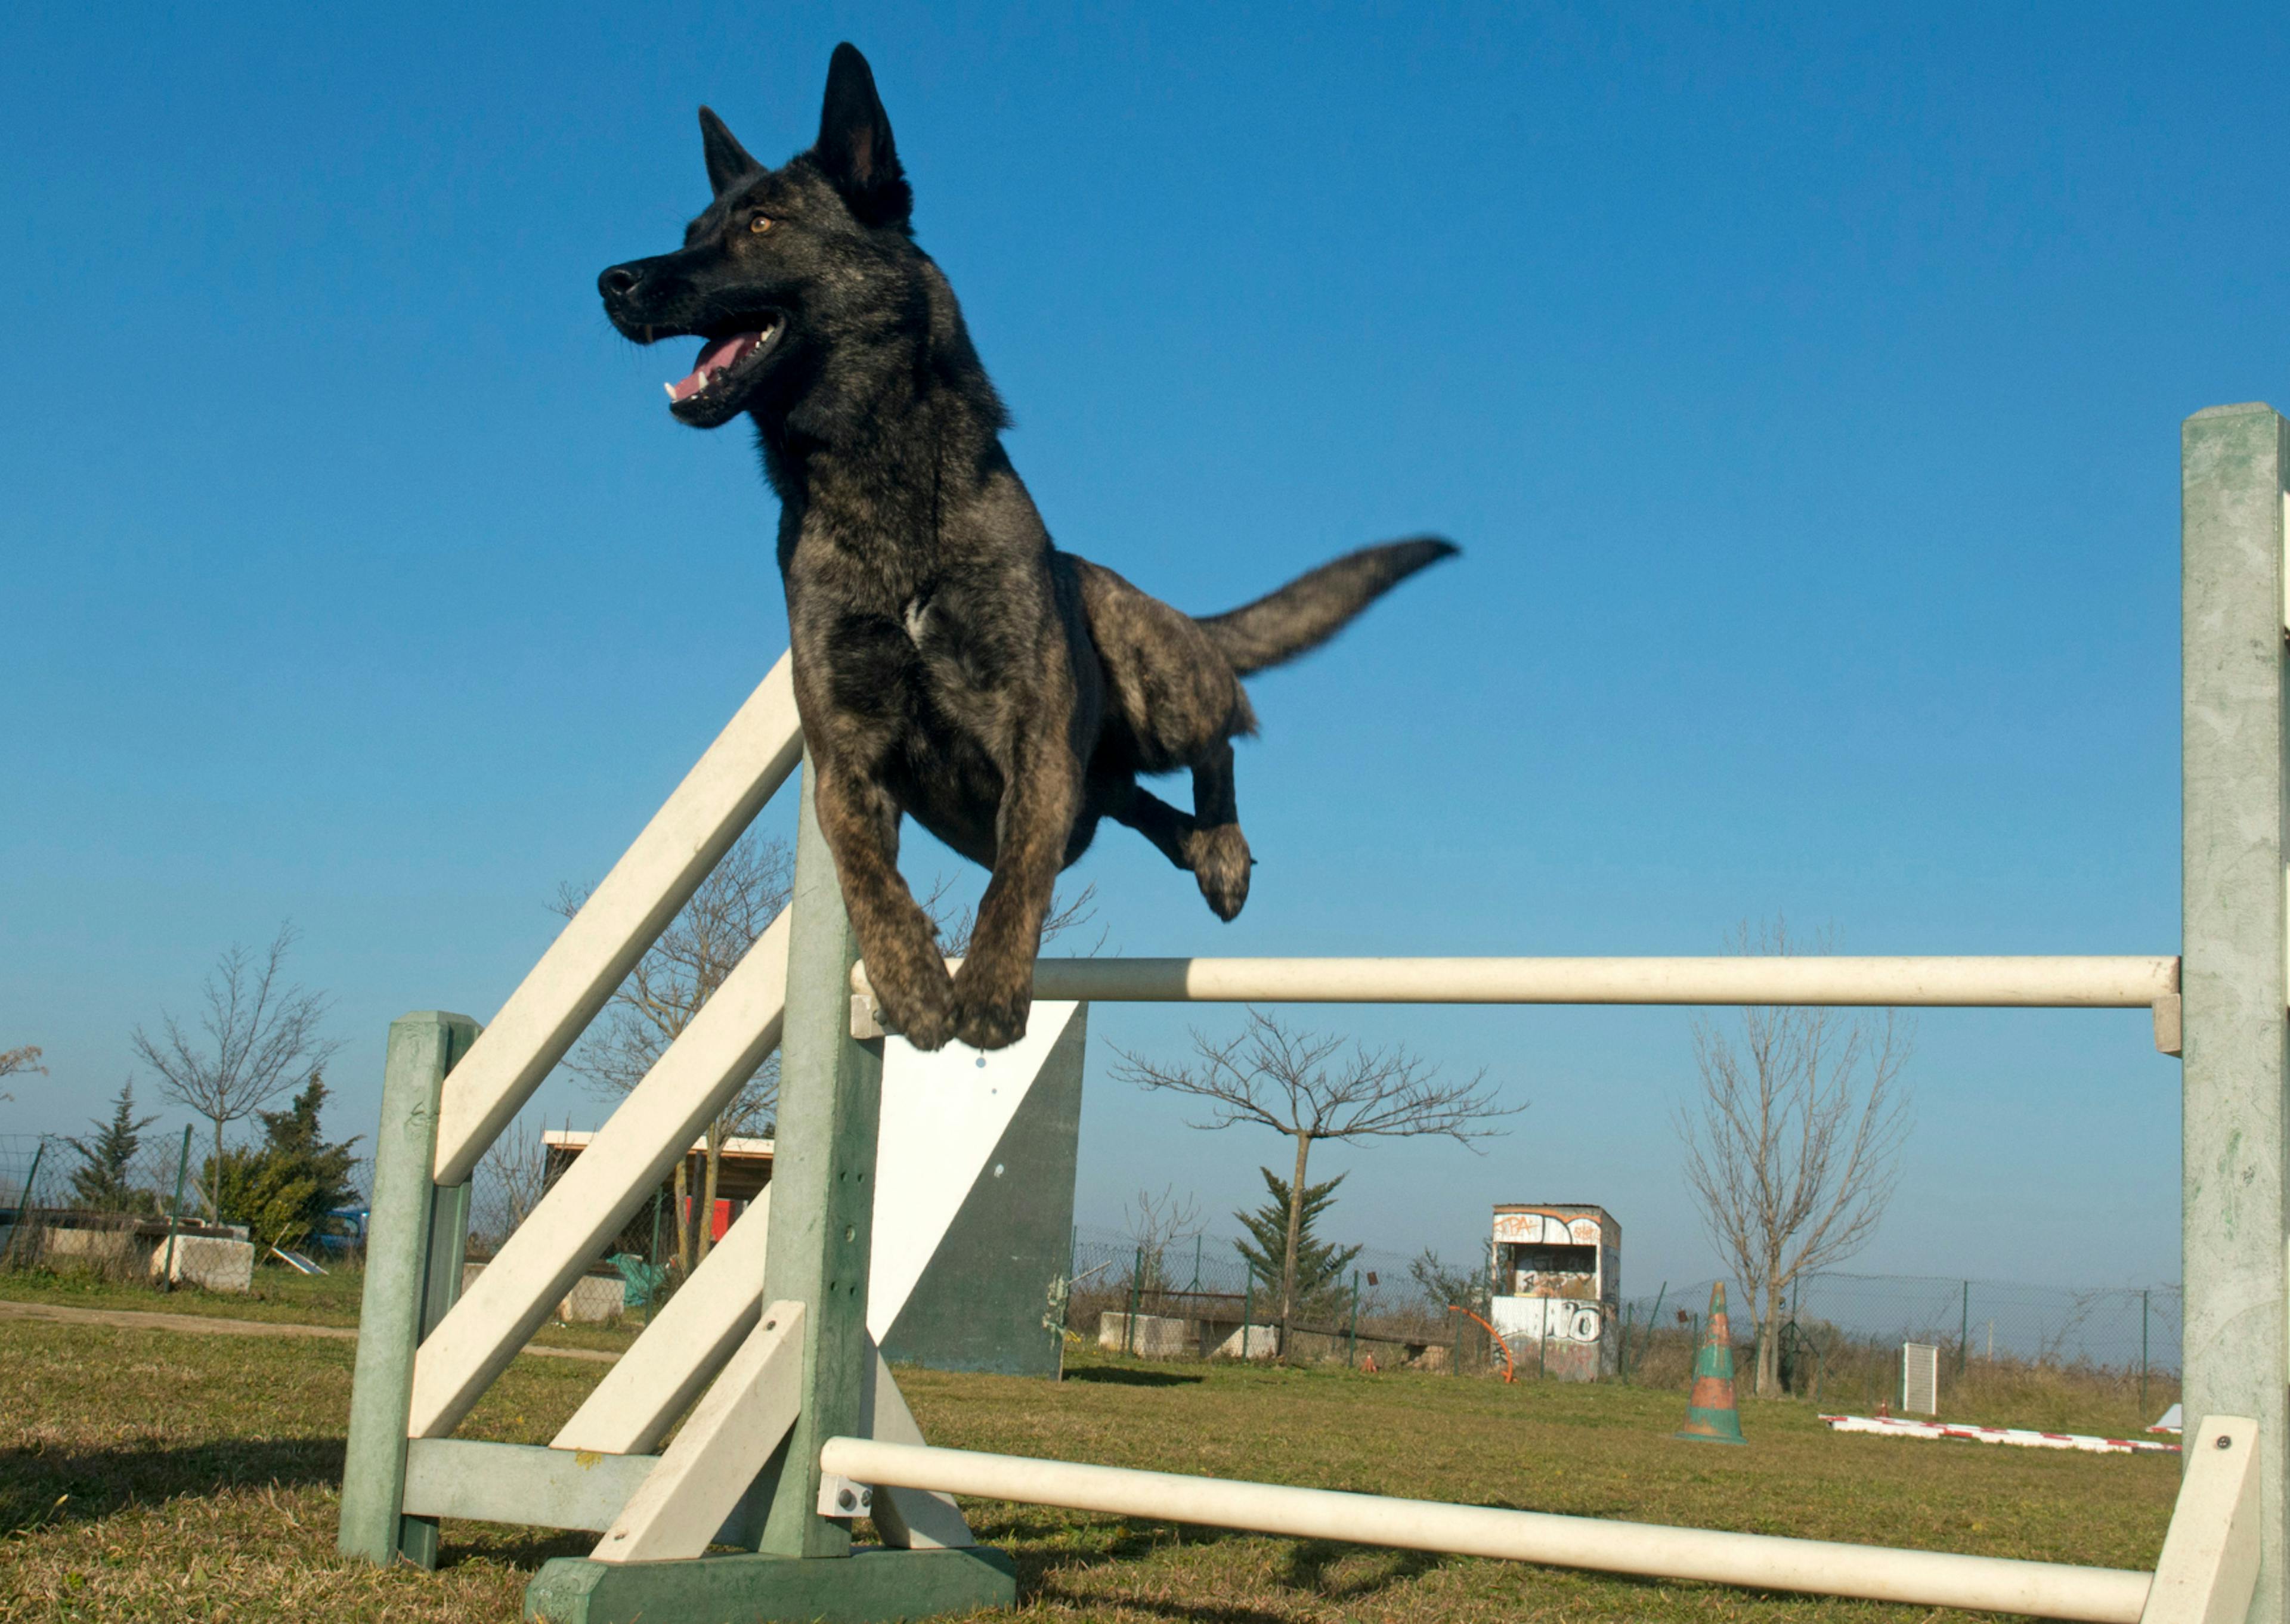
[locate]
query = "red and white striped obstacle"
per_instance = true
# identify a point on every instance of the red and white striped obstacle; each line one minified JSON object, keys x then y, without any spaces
{"x":1897,"y":1427}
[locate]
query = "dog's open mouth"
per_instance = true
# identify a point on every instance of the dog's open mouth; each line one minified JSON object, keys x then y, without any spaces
{"x":712,"y":390}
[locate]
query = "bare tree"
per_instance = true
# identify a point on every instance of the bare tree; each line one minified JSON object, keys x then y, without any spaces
{"x":954,"y":925}
{"x":26,"y":1061}
{"x":516,"y":1168}
{"x":1792,"y":1147}
{"x":259,"y":1036}
{"x":1156,"y":1223}
{"x":678,"y":974}
{"x":1275,"y":1077}
{"x":739,"y":897}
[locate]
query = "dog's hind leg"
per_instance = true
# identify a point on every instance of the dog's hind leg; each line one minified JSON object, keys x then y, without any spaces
{"x":904,"y":966}
{"x":1140,"y":809}
{"x":1215,"y":849}
{"x":1206,"y":843}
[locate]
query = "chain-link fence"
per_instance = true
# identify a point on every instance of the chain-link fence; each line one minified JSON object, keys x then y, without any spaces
{"x":1197,"y":1295}
{"x":74,"y":1202}
{"x":1192,"y":1295}
{"x":1841,"y":1334}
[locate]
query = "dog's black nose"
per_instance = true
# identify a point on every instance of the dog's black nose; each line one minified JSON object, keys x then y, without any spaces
{"x":619,"y":279}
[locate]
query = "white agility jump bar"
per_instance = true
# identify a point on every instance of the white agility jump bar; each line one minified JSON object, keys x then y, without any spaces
{"x":1925,"y":1579}
{"x":2117,"y":982}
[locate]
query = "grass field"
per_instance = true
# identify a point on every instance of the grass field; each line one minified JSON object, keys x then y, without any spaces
{"x":150,"y":1474}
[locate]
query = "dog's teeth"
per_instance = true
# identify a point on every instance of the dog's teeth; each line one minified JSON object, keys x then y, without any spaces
{"x":670,"y":388}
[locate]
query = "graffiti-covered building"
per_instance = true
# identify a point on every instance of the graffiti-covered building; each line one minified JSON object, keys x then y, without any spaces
{"x":1559,"y":1288}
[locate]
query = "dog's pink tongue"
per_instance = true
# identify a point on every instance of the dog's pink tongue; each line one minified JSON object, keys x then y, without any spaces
{"x":719,"y":354}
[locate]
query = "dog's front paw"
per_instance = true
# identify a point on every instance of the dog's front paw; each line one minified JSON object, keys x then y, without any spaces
{"x":990,"y":1011}
{"x":1221,"y":862}
{"x":920,"y":1009}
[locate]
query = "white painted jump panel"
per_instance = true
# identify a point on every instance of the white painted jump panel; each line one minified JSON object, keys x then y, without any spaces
{"x":2091,"y":982}
{"x":733,"y":1034}
{"x":709,"y":810}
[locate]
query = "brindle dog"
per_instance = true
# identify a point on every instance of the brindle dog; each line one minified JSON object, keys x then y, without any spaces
{"x":951,"y":664}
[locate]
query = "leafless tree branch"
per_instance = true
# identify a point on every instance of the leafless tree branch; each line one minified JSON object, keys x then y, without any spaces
{"x":25,"y":1061}
{"x":1792,"y":1146}
{"x":675,"y":977}
{"x":1299,"y":1083}
{"x":257,"y":1037}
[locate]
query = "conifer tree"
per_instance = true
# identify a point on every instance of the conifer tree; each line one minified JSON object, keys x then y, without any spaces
{"x":286,"y":1188}
{"x":103,"y":1182}
{"x":1320,"y":1265}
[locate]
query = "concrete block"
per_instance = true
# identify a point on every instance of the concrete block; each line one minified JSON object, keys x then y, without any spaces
{"x":1156,"y":1336}
{"x":595,"y":1300}
{"x":207,"y":1261}
{"x":1263,"y":1343}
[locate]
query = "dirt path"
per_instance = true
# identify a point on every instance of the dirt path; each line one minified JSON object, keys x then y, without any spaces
{"x":134,"y":1319}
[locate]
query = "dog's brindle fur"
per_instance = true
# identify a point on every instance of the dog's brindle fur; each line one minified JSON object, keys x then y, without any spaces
{"x":949,"y":662}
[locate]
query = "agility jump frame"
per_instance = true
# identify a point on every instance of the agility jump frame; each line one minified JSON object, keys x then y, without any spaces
{"x":798,"y":1426}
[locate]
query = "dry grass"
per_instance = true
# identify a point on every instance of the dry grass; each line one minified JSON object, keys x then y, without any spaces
{"x":280,"y":1297}
{"x":150,"y":1474}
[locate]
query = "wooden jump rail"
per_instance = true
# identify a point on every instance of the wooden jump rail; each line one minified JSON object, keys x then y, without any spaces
{"x":2118,"y":982}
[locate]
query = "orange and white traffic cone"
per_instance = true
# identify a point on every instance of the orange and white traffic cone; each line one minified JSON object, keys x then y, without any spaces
{"x":1710,"y":1415}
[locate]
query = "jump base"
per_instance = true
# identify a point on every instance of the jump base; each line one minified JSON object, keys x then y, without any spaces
{"x":870,"y":1584}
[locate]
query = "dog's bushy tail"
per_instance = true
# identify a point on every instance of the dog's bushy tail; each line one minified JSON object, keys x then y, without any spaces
{"x":1316,"y":606}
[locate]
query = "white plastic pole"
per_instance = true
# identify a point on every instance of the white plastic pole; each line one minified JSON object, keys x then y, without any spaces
{"x":709,"y":810}
{"x":2120,"y":982}
{"x":1925,"y":1579}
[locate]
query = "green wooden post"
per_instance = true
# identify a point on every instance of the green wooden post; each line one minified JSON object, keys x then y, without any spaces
{"x":2233,"y":1035}
{"x":822,"y":1191}
{"x":804,"y":1568}
{"x":398,"y":1292}
{"x":448,"y":1250}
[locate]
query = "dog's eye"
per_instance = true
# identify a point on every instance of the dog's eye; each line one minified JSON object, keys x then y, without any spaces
{"x":760,"y":224}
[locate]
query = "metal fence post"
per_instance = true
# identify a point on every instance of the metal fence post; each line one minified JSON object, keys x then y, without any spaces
{"x":1351,"y":1356}
{"x":1247,"y":1311}
{"x":1964,"y":1331}
{"x":175,"y":1211}
{"x":1136,"y":1288}
{"x":2142,"y":1353}
{"x":2232,"y":983}
{"x":23,"y":1224}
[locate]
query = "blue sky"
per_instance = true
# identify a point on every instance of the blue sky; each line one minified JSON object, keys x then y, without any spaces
{"x":1803,"y":385}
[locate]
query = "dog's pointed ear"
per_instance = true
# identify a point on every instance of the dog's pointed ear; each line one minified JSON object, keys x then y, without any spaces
{"x":728,"y":162}
{"x":854,"y":149}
